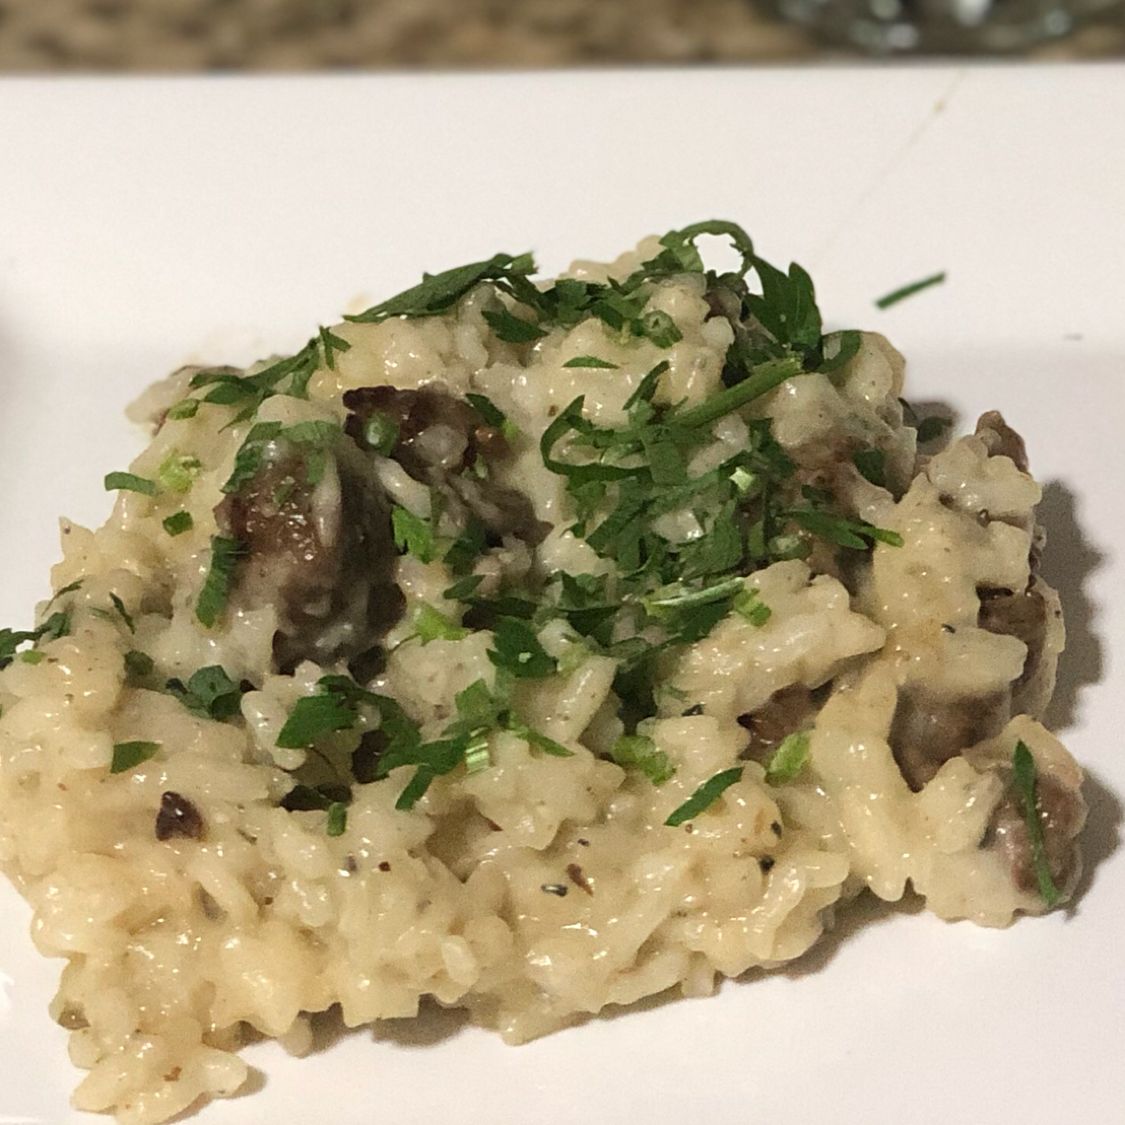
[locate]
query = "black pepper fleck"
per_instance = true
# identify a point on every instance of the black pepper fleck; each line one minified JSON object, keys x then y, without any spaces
{"x":583,"y":841}
{"x":554,"y":889}
{"x":384,"y":866}
{"x":178,"y":817}
{"x":766,"y":863}
{"x":948,"y":629}
{"x":775,"y":828}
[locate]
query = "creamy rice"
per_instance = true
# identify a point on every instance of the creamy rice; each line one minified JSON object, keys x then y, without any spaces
{"x":539,"y":889}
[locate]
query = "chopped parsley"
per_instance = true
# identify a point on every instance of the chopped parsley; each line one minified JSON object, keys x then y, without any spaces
{"x":380,"y":433}
{"x":432,"y":625}
{"x":138,"y":665}
{"x":337,"y":819}
{"x":314,"y":438}
{"x":704,"y":797}
{"x":872,"y":464}
{"x":516,"y":649}
{"x":123,"y":613}
{"x":177,"y":472}
{"x":637,"y":751}
{"x":590,"y":361}
{"x":209,"y":693}
{"x":905,"y":291}
{"x":178,"y":522}
{"x":212,"y":600}
{"x":130,"y":482}
{"x":413,"y":535}
{"x":129,"y":755}
{"x":512,"y":329}
{"x":57,"y":625}
{"x":1024,"y":772}
{"x":789,"y":758}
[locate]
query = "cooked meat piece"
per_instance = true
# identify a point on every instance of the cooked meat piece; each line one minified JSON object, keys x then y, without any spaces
{"x":1001,"y":439}
{"x":439,"y":437}
{"x":503,"y":511}
{"x":321,"y":553}
{"x":435,"y":429}
{"x":1034,"y":617}
{"x":789,"y":710}
{"x":1062,"y":813}
{"x":178,"y":817}
{"x":927,"y":731}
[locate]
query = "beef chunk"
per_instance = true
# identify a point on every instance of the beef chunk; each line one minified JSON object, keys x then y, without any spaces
{"x":435,"y":429}
{"x":440,"y":437}
{"x":787,"y":711}
{"x":1001,"y":439}
{"x":928,"y":730}
{"x":178,"y":817}
{"x":319,"y":548}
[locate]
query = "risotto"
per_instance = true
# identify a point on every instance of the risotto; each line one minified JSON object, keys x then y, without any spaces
{"x":534,"y":646}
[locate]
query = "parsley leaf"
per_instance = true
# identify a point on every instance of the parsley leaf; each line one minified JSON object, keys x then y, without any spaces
{"x":517,"y":650}
{"x":212,"y":600}
{"x":704,"y":797}
{"x":438,"y":292}
{"x":590,"y":361}
{"x":138,"y":665}
{"x":413,"y":534}
{"x":123,"y":613}
{"x":431,"y":625}
{"x":511,"y":328}
{"x":314,"y":716}
{"x":129,"y":755}
{"x":636,"y":751}
{"x":209,"y":693}
{"x":872,"y":464}
{"x":178,"y":522}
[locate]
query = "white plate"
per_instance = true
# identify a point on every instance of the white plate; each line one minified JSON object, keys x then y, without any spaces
{"x":143,"y":223}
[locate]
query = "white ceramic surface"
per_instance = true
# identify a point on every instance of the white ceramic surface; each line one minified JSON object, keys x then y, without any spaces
{"x":144,"y":223}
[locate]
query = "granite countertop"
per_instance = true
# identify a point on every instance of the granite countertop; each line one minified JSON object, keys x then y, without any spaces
{"x":301,"y":34}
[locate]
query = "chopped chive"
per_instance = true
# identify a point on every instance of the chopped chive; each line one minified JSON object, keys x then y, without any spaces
{"x":905,"y":291}
{"x":129,"y":482}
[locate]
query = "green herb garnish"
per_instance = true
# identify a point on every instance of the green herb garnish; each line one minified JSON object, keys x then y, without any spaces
{"x":129,"y":482}
{"x":337,"y":819}
{"x":1023,"y":768}
{"x":177,"y":472}
{"x":129,"y":755}
{"x":178,"y":522}
{"x":905,"y":291}
{"x":789,"y":758}
{"x":637,"y":751}
{"x":209,"y":693}
{"x":432,"y":625}
{"x":590,"y":361}
{"x":212,"y":600}
{"x":516,"y":649}
{"x":704,"y":797}
{"x":413,"y":534}
{"x":138,"y":665}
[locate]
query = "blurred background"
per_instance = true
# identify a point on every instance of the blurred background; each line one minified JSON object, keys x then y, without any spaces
{"x":193,"y":35}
